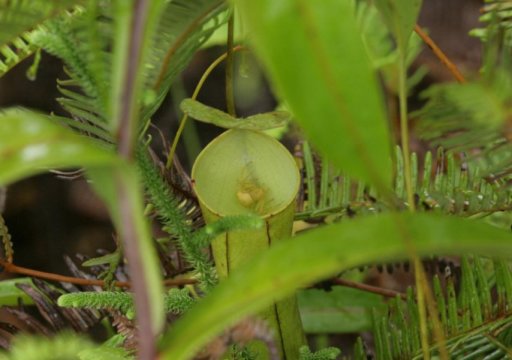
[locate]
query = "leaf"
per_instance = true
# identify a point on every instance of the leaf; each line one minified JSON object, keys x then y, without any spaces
{"x":11,"y":295}
{"x":16,"y":17}
{"x":340,"y":310}
{"x":184,"y":26}
{"x":214,"y":116}
{"x":316,"y":59}
{"x":15,"y":52}
{"x":101,"y":260}
{"x":31,"y":143}
{"x":318,"y":254}
{"x":400,"y":16}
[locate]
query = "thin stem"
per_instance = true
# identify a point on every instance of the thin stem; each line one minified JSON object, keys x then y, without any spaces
{"x":369,"y":288}
{"x":440,"y":54}
{"x":15,"y":269}
{"x":420,"y":298}
{"x":129,"y":233}
{"x":230,"y":97}
{"x":418,"y":267}
{"x":199,"y":85}
{"x":423,"y":292}
{"x":404,"y":132}
{"x":434,"y":314}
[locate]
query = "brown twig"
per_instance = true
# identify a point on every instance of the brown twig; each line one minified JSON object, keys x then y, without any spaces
{"x":369,"y":288}
{"x":15,"y":269}
{"x":440,"y":54}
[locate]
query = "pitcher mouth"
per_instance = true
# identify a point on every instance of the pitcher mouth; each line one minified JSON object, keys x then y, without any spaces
{"x":245,"y":172}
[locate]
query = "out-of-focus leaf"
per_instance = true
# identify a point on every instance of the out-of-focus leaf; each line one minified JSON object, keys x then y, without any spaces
{"x":324,"y":252}
{"x":17,"y":17}
{"x":10,"y":294}
{"x":31,"y":143}
{"x":400,"y":16}
{"x":314,"y":54}
{"x":341,"y":310}
{"x":101,"y":260}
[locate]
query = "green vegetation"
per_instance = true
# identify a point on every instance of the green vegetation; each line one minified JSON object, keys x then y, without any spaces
{"x":244,"y":291}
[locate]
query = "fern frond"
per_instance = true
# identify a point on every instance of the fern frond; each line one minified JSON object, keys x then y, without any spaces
{"x":475,"y":119}
{"x":183,"y":27}
{"x":330,"y":353}
{"x":440,"y":183}
{"x":6,"y":240}
{"x":472,"y":326}
{"x":16,"y":51}
{"x":18,"y":17}
{"x":177,"y":301}
{"x":122,"y":301}
{"x":64,"y":346}
{"x":174,"y":219}
{"x":496,"y":13}
{"x":82,"y":40}
{"x":19,"y":22}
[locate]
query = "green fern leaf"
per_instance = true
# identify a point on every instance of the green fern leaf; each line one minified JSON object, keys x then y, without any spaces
{"x":18,"y":17}
{"x":471,"y":329}
{"x":183,"y":27}
{"x":19,"y":22}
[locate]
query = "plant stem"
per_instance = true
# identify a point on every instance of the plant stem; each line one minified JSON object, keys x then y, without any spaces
{"x":129,"y":234}
{"x":127,"y":105}
{"x":404,"y":135}
{"x":404,"y":131}
{"x":230,"y":97}
{"x":199,"y":85}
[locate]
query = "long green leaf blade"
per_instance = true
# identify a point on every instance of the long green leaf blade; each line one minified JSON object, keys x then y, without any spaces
{"x":317,"y":61}
{"x":318,"y":254}
{"x":31,"y":143}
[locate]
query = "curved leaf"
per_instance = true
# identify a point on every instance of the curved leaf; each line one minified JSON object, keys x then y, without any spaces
{"x":211,"y":115}
{"x":11,"y":294}
{"x":31,"y":143}
{"x":315,"y":57}
{"x":318,"y":254}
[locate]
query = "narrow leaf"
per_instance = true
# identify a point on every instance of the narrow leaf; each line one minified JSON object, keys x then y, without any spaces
{"x":11,"y":295}
{"x":31,"y":143}
{"x":318,"y":254}
{"x":316,"y":59}
{"x":210,"y":115}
